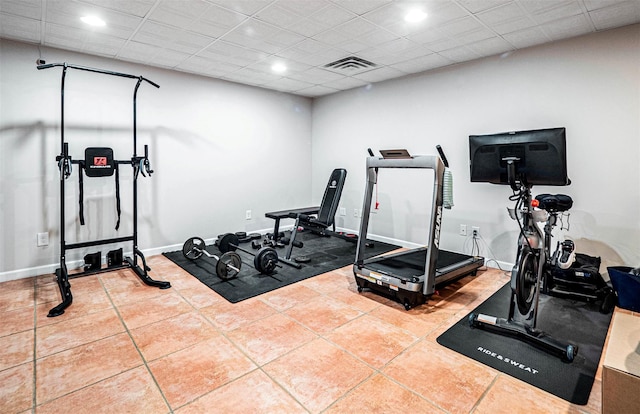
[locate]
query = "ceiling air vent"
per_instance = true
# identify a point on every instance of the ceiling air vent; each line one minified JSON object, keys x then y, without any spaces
{"x":350,"y":65}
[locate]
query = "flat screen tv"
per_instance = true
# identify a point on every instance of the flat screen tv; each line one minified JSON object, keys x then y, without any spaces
{"x":538,"y":157}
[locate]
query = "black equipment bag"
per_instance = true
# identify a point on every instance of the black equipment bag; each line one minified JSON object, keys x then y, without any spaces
{"x":584,"y":273}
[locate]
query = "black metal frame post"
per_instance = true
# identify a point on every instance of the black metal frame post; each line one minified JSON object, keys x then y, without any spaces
{"x":139,"y":164}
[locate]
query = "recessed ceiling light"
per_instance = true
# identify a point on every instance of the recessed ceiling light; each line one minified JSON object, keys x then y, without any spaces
{"x":93,"y":20}
{"x":415,"y":15}
{"x":278,"y":67}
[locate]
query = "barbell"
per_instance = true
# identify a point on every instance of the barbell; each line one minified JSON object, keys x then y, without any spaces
{"x":227,"y":266}
{"x":265,"y":260}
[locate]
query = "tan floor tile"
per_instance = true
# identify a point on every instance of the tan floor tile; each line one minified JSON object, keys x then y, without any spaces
{"x":266,"y":397}
{"x":133,"y":391}
{"x":88,"y":297}
{"x":317,"y":374}
{"x":323,"y":314}
{"x":269,"y":338}
{"x":200,"y":297}
{"x":379,"y":395}
{"x":192,"y":372}
{"x":17,"y":320}
{"x":327,"y":282}
{"x":372,"y":340}
{"x":351,"y":296}
{"x":16,"y":388}
{"x":420,"y":321}
{"x":535,"y":400}
{"x":289,"y":296}
{"x":71,"y":332}
{"x":16,"y":294}
{"x":229,"y":316}
{"x":441,"y":376}
{"x":170,"y":335}
{"x":84,"y":365}
{"x":16,"y":349}
{"x":153,"y":310}
{"x":124,"y":287}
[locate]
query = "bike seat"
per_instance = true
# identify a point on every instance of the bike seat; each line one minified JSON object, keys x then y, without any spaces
{"x":554,"y":202}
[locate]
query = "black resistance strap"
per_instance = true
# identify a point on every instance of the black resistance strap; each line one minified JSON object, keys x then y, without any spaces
{"x":99,"y":162}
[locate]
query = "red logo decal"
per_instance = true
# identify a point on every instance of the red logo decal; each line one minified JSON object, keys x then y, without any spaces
{"x":100,"y":161}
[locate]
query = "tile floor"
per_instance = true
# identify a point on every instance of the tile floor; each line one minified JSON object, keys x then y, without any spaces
{"x":316,"y":346}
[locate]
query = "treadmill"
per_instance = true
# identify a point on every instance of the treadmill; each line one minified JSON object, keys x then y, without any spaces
{"x":410,"y":276}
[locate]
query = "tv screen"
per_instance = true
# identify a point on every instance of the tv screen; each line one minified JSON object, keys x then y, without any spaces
{"x":539,"y":157}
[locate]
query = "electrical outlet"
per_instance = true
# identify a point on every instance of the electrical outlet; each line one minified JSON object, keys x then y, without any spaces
{"x":42,"y":239}
{"x":248,"y":215}
{"x":356,"y":213}
{"x":463,"y":229}
{"x":475,"y":231}
{"x":343,"y":211}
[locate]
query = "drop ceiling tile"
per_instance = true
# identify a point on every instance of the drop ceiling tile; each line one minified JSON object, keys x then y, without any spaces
{"x":388,"y":14}
{"x":317,"y":90}
{"x":316,"y":76}
{"x":459,"y":54}
{"x":379,"y":74}
{"x":475,"y":36}
{"x":103,"y":45}
{"x":543,"y":6}
{"x":246,"y":7}
{"x":158,"y":34}
{"x":179,"y":14}
{"x":527,"y":37}
{"x":332,"y":15}
{"x":490,"y":47}
{"x":251,"y":30}
{"x":616,"y":15}
{"x":377,"y":37}
{"x":423,"y":63}
{"x":346,"y":82}
{"x":278,"y":16}
{"x":362,"y":6}
{"x":353,"y":46}
{"x":303,"y":8}
{"x":567,"y":27}
{"x":475,"y":6}
{"x":459,"y":26}
{"x":253,"y":76}
{"x":427,"y":36}
{"x":219,"y":16}
{"x":288,"y":85}
{"x":139,"y":52}
{"x":308,"y":27}
{"x":357,"y":27}
{"x":500,"y":14}
{"x":138,"y":8}
{"x":19,"y":28}
{"x":169,"y":58}
{"x":513,"y":25}
{"x":332,"y":37}
{"x":23,"y":8}
{"x":195,"y":64}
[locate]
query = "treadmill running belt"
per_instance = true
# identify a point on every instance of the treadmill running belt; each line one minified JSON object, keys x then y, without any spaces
{"x":412,"y":264}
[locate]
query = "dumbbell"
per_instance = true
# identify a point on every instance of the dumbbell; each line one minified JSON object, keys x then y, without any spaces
{"x":265,"y":260}
{"x":228,"y":265}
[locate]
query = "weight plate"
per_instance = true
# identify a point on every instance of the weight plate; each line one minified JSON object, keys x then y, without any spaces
{"x":266,"y":260}
{"x":192,"y":249}
{"x":302,"y":259}
{"x":241,"y":234}
{"x":226,"y":264}
{"x":255,"y":236}
{"x":228,"y":243}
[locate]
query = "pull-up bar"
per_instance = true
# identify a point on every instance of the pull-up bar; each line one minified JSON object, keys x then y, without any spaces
{"x":88,"y":69}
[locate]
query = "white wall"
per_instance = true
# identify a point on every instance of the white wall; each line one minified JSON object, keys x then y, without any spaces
{"x":218,"y":149}
{"x":590,"y":85}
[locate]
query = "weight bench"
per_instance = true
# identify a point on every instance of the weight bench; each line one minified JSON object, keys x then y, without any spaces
{"x":277,"y":215}
{"x":325,"y":215}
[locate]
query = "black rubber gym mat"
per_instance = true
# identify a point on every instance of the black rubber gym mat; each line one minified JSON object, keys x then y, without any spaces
{"x":578,"y":322}
{"x":326,"y":254}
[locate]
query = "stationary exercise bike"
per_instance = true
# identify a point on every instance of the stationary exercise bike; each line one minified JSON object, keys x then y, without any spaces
{"x":533,"y":265}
